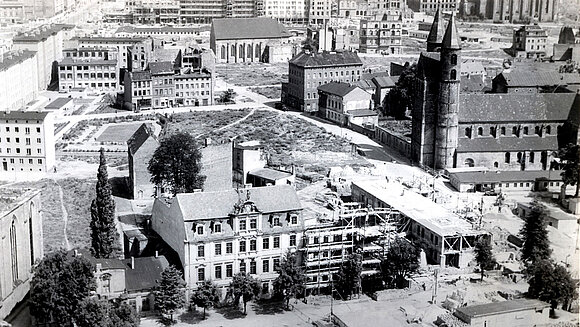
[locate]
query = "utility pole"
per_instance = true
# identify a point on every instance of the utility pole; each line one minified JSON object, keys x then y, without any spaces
{"x":434,"y":294}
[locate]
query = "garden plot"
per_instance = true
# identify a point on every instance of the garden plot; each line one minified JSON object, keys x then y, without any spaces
{"x":253,"y":74}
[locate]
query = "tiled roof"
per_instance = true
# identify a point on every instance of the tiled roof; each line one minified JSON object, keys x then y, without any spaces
{"x":14,"y":58}
{"x":269,"y":173}
{"x":146,"y":273}
{"x":162,"y":67}
{"x":364,"y":84}
{"x":502,"y":307}
{"x":451,"y":38}
{"x":370,"y":76}
{"x":41,"y":33}
{"x":509,"y":107}
{"x":340,"y":89}
{"x":58,"y":103}
{"x":472,"y":67}
{"x":326,"y":59}
{"x":32,"y":115}
{"x":519,"y":78}
{"x":248,"y":28}
{"x":501,"y":176}
{"x":162,"y":54}
{"x":385,"y":81}
{"x":140,"y":75}
{"x":473,"y":83}
{"x":139,"y":137}
{"x":277,"y":198}
{"x":507,"y":143}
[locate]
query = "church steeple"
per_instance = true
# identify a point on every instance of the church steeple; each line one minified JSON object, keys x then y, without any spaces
{"x":436,"y":33}
{"x":451,"y":38}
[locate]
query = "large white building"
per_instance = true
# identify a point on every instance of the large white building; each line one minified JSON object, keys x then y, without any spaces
{"x":95,"y":69}
{"x":19,"y":76}
{"x":290,"y":11}
{"x":222,"y":233}
{"x":26,"y":144}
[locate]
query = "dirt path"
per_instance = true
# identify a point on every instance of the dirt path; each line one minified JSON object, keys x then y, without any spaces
{"x":237,"y":121}
{"x":64,"y":215}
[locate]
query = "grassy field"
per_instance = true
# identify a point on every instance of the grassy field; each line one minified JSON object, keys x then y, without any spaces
{"x":253,"y":74}
{"x":202,"y":122}
{"x":118,"y":133}
{"x":270,"y":92}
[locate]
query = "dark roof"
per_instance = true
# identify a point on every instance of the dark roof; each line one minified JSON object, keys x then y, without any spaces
{"x":451,"y":38}
{"x":506,"y":176}
{"x":473,"y":83}
{"x":370,"y":76}
{"x":162,"y":67}
{"x":507,"y":143}
{"x":326,"y":59}
{"x":337,"y":88}
{"x":385,"y":81}
{"x":519,"y":78}
{"x":429,"y":64}
{"x":364,"y":84}
{"x":277,"y":198}
{"x":502,"y":307}
{"x":269,"y":173}
{"x":58,"y":103}
{"x":111,"y":39}
{"x":146,"y":273}
{"x":105,"y":263}
{"x":41,"y":33}
{"x":141,"y":135}
{"x":140,"y":76}
{"x":437,"y":30}
{"x":507,"y":107}
{"x":362,"y":112}
{"x":248,"y":28}
{"x":32,"y":115}
{"x":14,"y":58}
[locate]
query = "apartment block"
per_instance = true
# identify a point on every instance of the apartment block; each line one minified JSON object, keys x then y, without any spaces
{"x":510,"y":11}
{"x":288,"y":11}
{"x":26,"y":144}
{"x":321,"y":11}
{"x":93,"y":69}
{"x":154,"y":11}
{"x":20,"y":68}
{"x":11,"y":12}
{"x":529,"y":42}
{"x":204,"y":11}
{"x":382,"y":33}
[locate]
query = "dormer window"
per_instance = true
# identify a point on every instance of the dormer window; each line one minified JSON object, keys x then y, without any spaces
{"x":200,"y":230}
{"x":276,"y":221}
{"x":217,"y":228}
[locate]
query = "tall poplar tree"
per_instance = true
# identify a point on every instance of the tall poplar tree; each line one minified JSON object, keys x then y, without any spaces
{"x":536,"y":245}
{"x":104,"y":237}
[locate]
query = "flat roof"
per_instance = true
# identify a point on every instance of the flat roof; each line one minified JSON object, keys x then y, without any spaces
{"x":58,"y":103}
{"x":269,"y":173}
{"x":494,"y":308}
{"x":552,"y":211}
{"x":506,"y":176}
{"x":431,"y":215}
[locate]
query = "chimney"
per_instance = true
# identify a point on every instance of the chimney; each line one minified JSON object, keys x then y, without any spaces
{"x":156,"y":254}
{"x":132,"y":262}
{"x":76,"y":253}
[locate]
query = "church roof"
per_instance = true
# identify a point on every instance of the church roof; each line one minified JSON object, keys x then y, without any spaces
{"x":248,"y":28}
{"x":508,"y":107}
{"x":326,"y":59}
{"x":451,"y":38}
{"x":437,"y":29}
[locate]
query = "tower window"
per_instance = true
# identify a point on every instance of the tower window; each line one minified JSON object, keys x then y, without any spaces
{"x":548,"y":130}
{"x":480,"y":131}
{"x":453,"y":74}
{"x":468,"y":132}
{"x":454,"y":59}
{"x":507,"y":157}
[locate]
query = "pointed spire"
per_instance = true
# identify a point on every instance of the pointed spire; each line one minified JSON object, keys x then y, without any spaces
{"x":437,"y":30}
{"x":451,"y":39}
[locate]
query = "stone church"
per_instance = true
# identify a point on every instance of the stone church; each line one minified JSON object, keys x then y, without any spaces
{"x":511,"y":131}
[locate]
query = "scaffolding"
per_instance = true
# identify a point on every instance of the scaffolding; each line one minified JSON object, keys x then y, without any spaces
{"x":328,"y":244}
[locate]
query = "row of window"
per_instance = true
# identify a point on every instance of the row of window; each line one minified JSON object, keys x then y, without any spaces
{"x":515,"y":131}
{"x":96,"y":67}
{"x":17,"y":129}
{"x":92,"y":85}
{"x":28,"y":151}
{"x":244,"y":246}
{"x":229,"y":268}
{"x":21,"y":161}
{"x":193,"y":86}
{"x":26,"y":140}
{"x":88,"y":75}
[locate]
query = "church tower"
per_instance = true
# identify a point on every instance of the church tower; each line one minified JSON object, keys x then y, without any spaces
{"x":436,"y":32}
{"x":446,"y":135}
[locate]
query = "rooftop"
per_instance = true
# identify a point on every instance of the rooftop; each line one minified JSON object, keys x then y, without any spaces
{"x":362,"y":112}
{"x":417,"y":207}
{"x":337,"y":88}
{"x":23,"y":115}
{"x":162,"y":67}
{"x":269,"y":173}
{"x":141,"y":135}
{"x":109,"y":39}
{"x":41,"y":33}
{"x":248,"y":28}
{"x":526,"y":78}
{"x":502,"y":307}
{"x":14,"y":58}
{"x":326,"y":59}
{"x":145,"y":274}
{"x":506,"y":176}
{"x":58,"y":103}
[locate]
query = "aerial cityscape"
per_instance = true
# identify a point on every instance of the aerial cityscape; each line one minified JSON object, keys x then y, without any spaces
{"x":330,"y":163}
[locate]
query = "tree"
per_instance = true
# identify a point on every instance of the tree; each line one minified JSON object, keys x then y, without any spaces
{"x":483,"y":255}
{"x":206,"y":295}
{"x":570,"y":164}
{"x":291,"y":279}
{"x":244,"y":287}
{"x":348,"y":278}
{"x":170,"y":294}
{"x":227,"y":96}
{"x":536,"y":245}
{"x":104,"y":237}
{"x":552,"y":283}
{"x":93,"y":312}
{"x":59,"y":284}
{"x":176,"y":164}
{"x":399,"y":263}
{"x":403,"y":94}
{"x":124,"y":315}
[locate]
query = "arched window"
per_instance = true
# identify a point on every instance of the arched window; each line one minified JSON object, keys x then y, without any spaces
{"x":453,"y":74}
{"x":468,"y":132}
{"x":537,"y":130}
{"x":249,"y":51}
{"x":480,"y":131}
{"x":548,"y":130}
{"x":492,"y":131}
{"x":223,"y":52}
{"x":233,"y":51}
{"x":258,"y":51}
{"x":525,"y":130}
{"x":241,"y":54}
{"x":502,"y":131}
{"x":13,"y":251}
{"x":454,"y":59}
{"x":106,"y":283}
{"x":520,"y":157}
{"x":469,"y":162}
{"x":496,"y":164}
{"x":507,"y":157}
{"x":515,"y":130}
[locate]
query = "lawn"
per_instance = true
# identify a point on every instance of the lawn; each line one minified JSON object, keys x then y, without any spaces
{"x":202,"y":122}
{"x":118,"y":133}
{"x":253,"y":74}
{"x":270,"y":92}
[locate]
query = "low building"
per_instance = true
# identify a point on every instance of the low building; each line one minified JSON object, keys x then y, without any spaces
{"x":383,"y":85}
{"x":399,"y":142}
{"x":554,"y":216}
{"x":529,"y":42}
{"x":20,"y":68}
{"x":61,"y":106}
{"x":28,"y":145}
{"x":94,"y":69}
{"x":346,"y":104}
{"x":514,"y":180}
{"x":568,"y":46}
{"x":21,"y":244}
{"x":268,"y":176}
{"x":261,"y":39}
{"x":516,"y":313}
{"x":446,"y":239}
{"x":519,"y":81}
{"x":307,"y":71}
{"x":245,"y":230}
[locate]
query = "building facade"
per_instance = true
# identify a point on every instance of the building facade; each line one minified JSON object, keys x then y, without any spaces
{"x":20,"y":68}
{"x":154,"y":11}
{"x":93,"y":69}
{"x":307,"y":71}
{"x":287,"y":11}
{"x":21,"y":244}
{"x":343,"y":103}
{"x":248,"y":231}
{"x":11,"y":12}
{"x":382,"y":33}
{"x":27,"y":144}
{"x":321,"y":11}
{"x":529,"y":42}
{"x":510,"y":11}
{"x":204,"y":11}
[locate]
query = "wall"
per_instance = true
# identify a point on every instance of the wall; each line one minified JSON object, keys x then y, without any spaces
{"x":141,"y":179}
{"x":216,"y":161}
{"x":512,"y":319}
{"x":394,"y":141}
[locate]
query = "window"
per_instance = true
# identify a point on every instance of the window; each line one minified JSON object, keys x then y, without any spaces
{"x":253,"y":267}
{"x":515,"y":130}
{"x":276,"y":264}
{"x":537,"y":130}
{"x":496,"y":164}
{"x":252,"y":245}
{"x":200,"y":230}
{"x":243,"y":224}
{"x":294,"y":220}
{"x":229,"y":270}
{"x":27,"y":130}
{"x":14,"y":251}
{"x":453,"y":74}
{"x":242,"y":246}
{"x":526,"y":130}
{"x":242,"y":266}
{"x":218,"y":249}
{"x":548,"y":130}
{"x":276,"y":242}
{"x":265,"y":244}
{"x":502,"y":131}
{"x":292,"y":240}
{"x":276,"y":221}
{"x":106,"y":283}
{"x":217,"y":228}
{"x":480,"y":131}
{"x":229,"y":247}
{"x":468,"y":132}
{"x":507,"y":157}
{"x":218,"y":272}
{"x":532,"y":157}
{"x":200,"y":251}
{"x":253,"y":223}
{"x":266,"y":265}
{"x":492,"y":131}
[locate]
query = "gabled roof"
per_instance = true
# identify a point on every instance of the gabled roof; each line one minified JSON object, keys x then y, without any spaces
{"x":362,"y":113}
{"x":385,"y":81}
{"x":519,"y":78}
{"x":248,"y":28}
{"x":517,"y":107}
{"x":268,"y":199}
{"x":326,"y":59}
{"x":473,"y":83}
{"x":32,"y":115}
{"x":142,"y":134}
{"x":162,"y":67}
{"x":145,"y":274}
{"x":140,"y":76}
{"x":269,"y":173}
{"x":337,"y":88}
{"x":451,"y":38}
{"x":437,"y":30}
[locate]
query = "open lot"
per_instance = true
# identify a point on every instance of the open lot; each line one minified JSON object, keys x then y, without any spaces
{"x":252,"y":74}
{"x":118,"y":133}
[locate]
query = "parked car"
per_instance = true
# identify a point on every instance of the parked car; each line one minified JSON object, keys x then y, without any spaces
{"x":490,"y":192}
